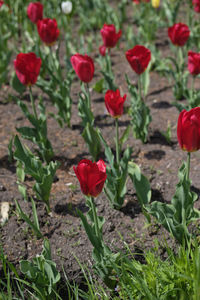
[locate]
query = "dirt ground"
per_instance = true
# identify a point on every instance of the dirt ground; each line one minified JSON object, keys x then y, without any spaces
{"x":158,"y":160}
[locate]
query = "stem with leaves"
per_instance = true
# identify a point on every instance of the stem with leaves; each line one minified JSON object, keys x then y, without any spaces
{"x":117,"y":140}
{"x":96,"y":224}
{"x":33,"y":103}
{"x":188,"y":166}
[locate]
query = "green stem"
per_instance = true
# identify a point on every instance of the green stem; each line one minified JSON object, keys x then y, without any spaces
{"x":117,"y":140}
{"x":88,"y":93}
{"x":33,"y":103}
{"x":188,"y":167}
{"x":96,"y":225}
{"x":193,"y":81}
{"x":140,"y":87}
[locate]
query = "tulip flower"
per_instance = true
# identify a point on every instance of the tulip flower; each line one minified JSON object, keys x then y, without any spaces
{"x":66,"y":7}
{"x":27,"y":67}
{"x":196,"y":5}
{"x":114,"y":103}
{"x":83,"y":66}
{"x":48,"y":30}
{"x":179,"y":34}
{"x":110,"y":36}
{"x":155,"y":3}
{"x":35,"y":11}
{"x":188,"y":130}
{"x":1,"y":3}
{"x":102,"y":50}
{"x":91,"y":176}
{"x":194,"y":62}
{"x":138,"y":58}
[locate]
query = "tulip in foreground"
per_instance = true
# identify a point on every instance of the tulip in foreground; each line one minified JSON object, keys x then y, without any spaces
{"x":114,"y":103}
{"x":188,"y":130}
{"x":27,"y":67}
{"x":91,"y":176}
{"x":1,"y":3}
{"x":179,"y":34}
{"x":194,"y":63}
{"x":138,"y":58}
{"x":48,"y":30}
{"x":83,"y":66}
{"x":35,"y":11}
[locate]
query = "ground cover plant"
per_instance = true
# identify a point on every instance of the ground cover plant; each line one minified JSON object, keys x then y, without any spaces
{"x":100,"y":139}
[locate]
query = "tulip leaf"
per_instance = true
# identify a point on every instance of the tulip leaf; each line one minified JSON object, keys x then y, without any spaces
{"x":92,"y":139}
{"x":17,"y":85}
{"x":141,"y":184}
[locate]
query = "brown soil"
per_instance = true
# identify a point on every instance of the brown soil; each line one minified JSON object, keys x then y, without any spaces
{"x":159,"y":161}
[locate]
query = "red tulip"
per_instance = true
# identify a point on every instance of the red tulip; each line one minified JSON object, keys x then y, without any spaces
{"x":194,"y":62}
{"x":188,"y":129}
{"x":110,"y":36}
{"x":35,"y":11}
{"x":102,"y":50}
{"x":196,"y":4}
{"x":27,"y":67}
{"x":1,"y":3}
{"x":91,"y":176}
{"x":179,"y":34}
{"x":48,"y":30}
{"x":83,"y":66}
{"x":139,"y":58}
{"x":114,"y":103}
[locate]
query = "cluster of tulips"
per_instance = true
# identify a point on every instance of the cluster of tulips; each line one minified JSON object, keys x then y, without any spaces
{"x":95,"y":176}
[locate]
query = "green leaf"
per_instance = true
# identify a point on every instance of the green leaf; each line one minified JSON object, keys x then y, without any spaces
{"x":92,"y":139}
{"x":17,"y":85}
{"x":98,"y":86}
{"x":141,"y":184}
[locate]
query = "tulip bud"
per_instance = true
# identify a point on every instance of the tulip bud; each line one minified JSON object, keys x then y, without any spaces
{"x":155,"y":3}
{"x":179,"y":34}
{"x":66,"y":7}
{"x":138,"y":58}
{"x":48,"y":30}
{"x":83,"y":66}
{"x":114,"y":103}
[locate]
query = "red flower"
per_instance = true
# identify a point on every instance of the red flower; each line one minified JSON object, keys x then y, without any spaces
{"x":114,"y":103}
{"x":188,"y":129}
{"x":48,"y":30}
{"x":91,"y":176}
{"x":35,"y":11}
{"x":194,"y":62}
{"x":83,"y":66}
{"x":102,"y":50}
{"x":110,"y":36}
{"x":1,"y":3}
{"x":139,"y":58}
{"x":27,"y":67}
{"x":179,"y":34}
{"x":196,"y":4}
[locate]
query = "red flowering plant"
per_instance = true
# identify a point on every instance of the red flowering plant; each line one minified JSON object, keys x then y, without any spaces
{"x":92,"y":177}
{"x":35,"y":11}
{"x":110,"y":38}
{"x":192,"y":94}
{"x":179,"y":34}
{"x":117,"y":171}
{"x":27,"y":68}
{"x":177,"y":215}
{"x":139,"y":58}
{"x":83,"y":66}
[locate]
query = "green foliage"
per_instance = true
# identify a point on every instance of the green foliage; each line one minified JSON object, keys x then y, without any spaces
{"x":42,"y":273}
{"x":117,"y":174}
{"x":33,"y":224}
{"x":89,"y":134}
{"x":43,"y":174}
{"x":176,"y":217}
{"x":140,"y":114}
{"x":38,"y":133}
{"x":102,"y":255}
